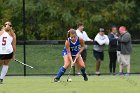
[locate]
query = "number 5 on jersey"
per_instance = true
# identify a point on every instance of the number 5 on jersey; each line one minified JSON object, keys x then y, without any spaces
{"x":4,"y":41}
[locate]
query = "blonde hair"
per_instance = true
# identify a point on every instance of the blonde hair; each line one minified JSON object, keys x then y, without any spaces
{"x":11,"y":31}
{"x":71,"y":31}
{"x":8,"y":23}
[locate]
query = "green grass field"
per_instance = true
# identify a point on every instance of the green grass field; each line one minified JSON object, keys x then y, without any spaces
{"x":47,"y":59}
{"x":95,"y":84}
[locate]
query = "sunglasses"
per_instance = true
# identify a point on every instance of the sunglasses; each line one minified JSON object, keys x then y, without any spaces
{"x":8,"y":24}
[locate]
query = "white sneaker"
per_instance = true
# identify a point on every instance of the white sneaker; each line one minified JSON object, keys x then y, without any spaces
{"x":97,"y":73}
{"x":78,"y":73}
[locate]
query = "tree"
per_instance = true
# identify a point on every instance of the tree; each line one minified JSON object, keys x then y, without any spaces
{"x":50,"y":19}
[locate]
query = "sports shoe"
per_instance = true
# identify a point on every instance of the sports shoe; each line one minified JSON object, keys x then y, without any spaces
{"x":97,"y":73}
{"x":121,"y":73}
{"x":78,"y":73}
{"x":56,"y":80}
{"x":127,"y":74}
{"x":114,"y":74}
{"x":1,"y":81}
{"x":85,"y":78}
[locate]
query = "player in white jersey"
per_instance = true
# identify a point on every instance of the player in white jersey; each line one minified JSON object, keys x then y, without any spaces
{"x":7,"y":48}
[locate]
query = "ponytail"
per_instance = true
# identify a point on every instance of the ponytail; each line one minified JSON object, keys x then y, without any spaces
{"x":71,"y":31}
{"x":68,"y":34}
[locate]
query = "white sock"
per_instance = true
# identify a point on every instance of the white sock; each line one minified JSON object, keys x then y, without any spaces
{"x":4,"y":71}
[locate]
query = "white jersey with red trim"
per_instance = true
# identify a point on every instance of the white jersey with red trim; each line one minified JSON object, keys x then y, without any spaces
{"x":6,"y":43}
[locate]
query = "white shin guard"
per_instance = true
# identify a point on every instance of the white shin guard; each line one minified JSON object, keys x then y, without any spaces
{"x":4,"y":71}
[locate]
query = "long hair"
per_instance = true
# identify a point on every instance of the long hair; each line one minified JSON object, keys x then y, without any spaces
{"x":68,"y":34}
{"x":71,"y":31}
{"x":11,"y":31}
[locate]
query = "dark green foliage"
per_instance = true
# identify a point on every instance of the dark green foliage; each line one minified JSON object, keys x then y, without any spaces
{"x":50,"y":19}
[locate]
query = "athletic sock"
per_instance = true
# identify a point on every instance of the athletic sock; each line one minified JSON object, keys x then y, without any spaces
{"x":83,"y":70}
{"x":61,"y":72}
{"x":4,"y":71}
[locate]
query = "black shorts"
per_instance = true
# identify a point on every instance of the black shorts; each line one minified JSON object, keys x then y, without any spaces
{"x":6,"y":56}
{"x":84,"y":54}
{"x":98,"y":55}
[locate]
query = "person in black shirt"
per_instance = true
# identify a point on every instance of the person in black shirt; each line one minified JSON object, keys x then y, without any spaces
{"x":112,"y":50}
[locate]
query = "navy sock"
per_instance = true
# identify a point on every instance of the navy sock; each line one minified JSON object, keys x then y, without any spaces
{"x":83,"y":70}
{"x":61,"y":72}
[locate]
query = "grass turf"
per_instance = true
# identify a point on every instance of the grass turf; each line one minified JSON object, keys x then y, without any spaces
{"x":95,"y":84}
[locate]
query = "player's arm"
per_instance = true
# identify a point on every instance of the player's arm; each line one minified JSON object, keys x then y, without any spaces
{"x":82,"y":44}
{"x":14,"y":43}
{"x":67,"y":45}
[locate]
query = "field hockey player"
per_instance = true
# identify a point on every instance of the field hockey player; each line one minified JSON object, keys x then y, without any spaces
{"x":72,"y":50}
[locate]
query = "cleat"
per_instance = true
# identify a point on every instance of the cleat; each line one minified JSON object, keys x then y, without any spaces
{"x":78,"y":73}
{"x":1,"y":81}
{"x":97,"y":73}
{"x":56,"y":80}
{"x":86,"y":78}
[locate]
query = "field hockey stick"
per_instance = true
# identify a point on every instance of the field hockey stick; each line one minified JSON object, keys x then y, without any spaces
{"x":71,"y":69}
{"x":23,"y":63}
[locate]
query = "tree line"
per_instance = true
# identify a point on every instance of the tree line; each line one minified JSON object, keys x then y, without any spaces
{"x":50,"y":19}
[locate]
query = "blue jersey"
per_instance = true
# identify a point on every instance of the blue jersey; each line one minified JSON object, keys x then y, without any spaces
{"x":74,"y":47}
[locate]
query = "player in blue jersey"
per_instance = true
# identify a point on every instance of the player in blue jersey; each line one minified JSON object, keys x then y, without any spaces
{"x":72,"y":50}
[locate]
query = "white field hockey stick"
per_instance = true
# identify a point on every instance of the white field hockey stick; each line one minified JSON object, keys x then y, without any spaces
{"x":23,"y":63}
{"x":71,"y":69}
